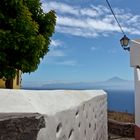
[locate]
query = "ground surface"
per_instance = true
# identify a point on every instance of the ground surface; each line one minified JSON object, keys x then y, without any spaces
{"x":121,"y":116}
{"x":115,"y":137}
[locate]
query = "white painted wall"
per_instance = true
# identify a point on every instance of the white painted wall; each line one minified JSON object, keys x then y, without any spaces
{"x":69,"y":114}
{"x":135,"y":53}
{"x":137,"y":96}
{"x":135,"y":62}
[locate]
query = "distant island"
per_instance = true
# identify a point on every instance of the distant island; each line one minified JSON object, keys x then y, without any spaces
{"x":112,"y":83}
{"x":116,"y":79}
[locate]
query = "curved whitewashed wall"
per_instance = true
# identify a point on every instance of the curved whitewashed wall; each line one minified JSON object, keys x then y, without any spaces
{"x":69,"y":114}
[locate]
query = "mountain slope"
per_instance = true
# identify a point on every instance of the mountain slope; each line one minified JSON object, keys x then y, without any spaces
{"x":116,"y":79}
{"x":112,"y":83}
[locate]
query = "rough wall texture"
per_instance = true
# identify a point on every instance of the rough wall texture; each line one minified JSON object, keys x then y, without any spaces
{"x":20,"y":126}
{"x":120,"y":128}
{"x":87,"y":121}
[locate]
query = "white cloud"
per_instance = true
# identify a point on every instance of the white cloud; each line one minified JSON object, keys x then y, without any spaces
{"x":76,"y":31}
{"x":101,"y":9}
{"x":67,"y":63}
{"x":60,"y":8}
{"x":92,"y":21}
{"x":56,"y":49}
{"x":89,"y":12}
{"x":86,"y":28}
{"x":56,"y":53}
{"x":89,"y":23}
{"x":56,"y":43}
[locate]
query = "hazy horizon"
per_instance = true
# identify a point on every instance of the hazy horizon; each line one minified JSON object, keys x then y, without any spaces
{"x":112,"y":83}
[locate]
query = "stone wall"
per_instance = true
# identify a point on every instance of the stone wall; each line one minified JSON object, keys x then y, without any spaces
{"x":120,"y":128}
{"x":20,"y":126}
{"x":68,"y":115}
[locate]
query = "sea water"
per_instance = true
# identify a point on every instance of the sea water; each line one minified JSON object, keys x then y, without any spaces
{"x":121,"y":100}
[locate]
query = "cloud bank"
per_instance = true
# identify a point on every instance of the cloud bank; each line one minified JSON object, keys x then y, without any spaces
{"x":92,"y":21}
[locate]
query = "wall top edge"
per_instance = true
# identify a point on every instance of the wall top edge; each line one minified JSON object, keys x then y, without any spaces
{"x":44,"y":102}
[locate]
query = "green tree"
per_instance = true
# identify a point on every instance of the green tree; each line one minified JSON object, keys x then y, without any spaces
{"x":25,"y":32}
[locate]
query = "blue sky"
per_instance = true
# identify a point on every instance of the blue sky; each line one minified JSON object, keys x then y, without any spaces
{"x":85,"y":46}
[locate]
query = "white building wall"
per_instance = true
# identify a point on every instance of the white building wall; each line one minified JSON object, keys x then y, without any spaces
{"x":69,"y":115}
{"x":135,"y":53}
{"x":135,"y":62}
{"x":137,"y":96}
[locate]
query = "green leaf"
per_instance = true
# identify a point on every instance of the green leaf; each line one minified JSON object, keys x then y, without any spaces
{"x":25,"y":32}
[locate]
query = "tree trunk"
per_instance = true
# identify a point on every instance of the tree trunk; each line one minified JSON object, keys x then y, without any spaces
{"x":9,"y":83}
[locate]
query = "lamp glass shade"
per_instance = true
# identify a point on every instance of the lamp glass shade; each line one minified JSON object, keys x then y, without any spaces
{"x":124,"y":41}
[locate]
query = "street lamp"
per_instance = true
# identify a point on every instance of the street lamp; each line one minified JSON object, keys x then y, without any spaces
{"x":124,"y":42}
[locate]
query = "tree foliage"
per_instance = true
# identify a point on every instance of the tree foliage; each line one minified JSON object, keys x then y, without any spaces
{"x":25,"y":32}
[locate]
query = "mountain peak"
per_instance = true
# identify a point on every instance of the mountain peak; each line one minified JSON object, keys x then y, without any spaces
{"x":115,"y":79}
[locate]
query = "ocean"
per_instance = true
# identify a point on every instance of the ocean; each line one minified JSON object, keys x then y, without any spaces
{"x":121,"y":100}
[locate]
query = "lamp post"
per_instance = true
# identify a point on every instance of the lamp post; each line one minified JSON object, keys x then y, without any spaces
{"x":124,"y":42}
